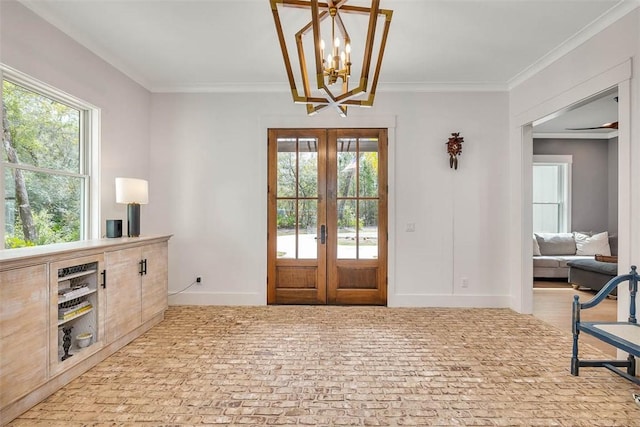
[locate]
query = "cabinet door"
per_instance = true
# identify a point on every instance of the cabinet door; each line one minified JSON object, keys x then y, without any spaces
{"x":155,"y":281}
{"x":24,"y":312}
{"x":123,"y":292}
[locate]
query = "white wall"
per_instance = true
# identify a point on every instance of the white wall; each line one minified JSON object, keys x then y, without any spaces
{"x":589,"y":180}
{"x":32,"y":46}
{"x":205,"y":156}
{"x":601,"y":62}
{"x":209,"y":155}
{"x":612,"y":185}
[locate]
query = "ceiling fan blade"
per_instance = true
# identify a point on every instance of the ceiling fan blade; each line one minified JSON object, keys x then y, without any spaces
{"x":612,"y":125}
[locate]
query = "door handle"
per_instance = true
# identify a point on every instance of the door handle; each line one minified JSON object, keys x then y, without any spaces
{"x":323,"y":234}
{"x":104,"y":278}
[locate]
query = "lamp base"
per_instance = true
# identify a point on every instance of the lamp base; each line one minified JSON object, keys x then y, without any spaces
{"x":133,"y":220}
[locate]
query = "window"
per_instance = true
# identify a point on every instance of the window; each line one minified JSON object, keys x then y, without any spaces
{"x":46,"y":164}
{"x":552,"y":194}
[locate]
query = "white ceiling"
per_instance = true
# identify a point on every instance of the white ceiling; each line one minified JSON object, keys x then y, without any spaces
{"x":227,"y":45}
{"x":186,"y":45}
{"x":596,"y":111}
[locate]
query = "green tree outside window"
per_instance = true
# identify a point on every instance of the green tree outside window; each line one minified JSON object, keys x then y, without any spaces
{"x":43,"y":171}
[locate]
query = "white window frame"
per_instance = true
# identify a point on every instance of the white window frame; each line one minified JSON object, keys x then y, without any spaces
{"x":565,"y":161}
{"x":89,"y":151}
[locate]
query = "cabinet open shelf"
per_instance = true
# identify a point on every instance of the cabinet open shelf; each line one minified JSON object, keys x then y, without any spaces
{"x":76,"y":355}
{"x":81,"y":293}
{"x":63,"y":321}
{"x":77,"y":308}
{"x":78,"y":274}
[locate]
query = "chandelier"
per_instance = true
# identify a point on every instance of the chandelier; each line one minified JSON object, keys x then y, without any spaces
{"x":333,"y":60}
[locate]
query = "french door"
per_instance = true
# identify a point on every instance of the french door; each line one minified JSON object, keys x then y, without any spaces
{"x":327,"y":216}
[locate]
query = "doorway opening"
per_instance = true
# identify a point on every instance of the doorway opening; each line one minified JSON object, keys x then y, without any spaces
{"x":586,"y":134}
{"x":327,"y":216}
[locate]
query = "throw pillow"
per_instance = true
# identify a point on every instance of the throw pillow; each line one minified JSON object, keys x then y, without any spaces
{"x":556,"y":243}
{"x":598,"y":244}
{"x":536,"y":247}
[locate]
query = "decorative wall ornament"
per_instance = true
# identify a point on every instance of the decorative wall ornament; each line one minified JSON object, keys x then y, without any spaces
{"x":454,"y":148}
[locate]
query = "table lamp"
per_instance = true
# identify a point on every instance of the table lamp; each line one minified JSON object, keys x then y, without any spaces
{"x":132,"y":192}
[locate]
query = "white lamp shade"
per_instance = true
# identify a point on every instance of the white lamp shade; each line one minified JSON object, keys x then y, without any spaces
{"x":132,"y":190}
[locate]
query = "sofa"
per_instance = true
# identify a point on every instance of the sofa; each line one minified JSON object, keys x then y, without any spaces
{"x":553,"y":251}
{"x":592,"y":274}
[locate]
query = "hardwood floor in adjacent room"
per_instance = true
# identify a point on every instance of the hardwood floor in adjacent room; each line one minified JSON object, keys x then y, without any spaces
{"x":553,"y":305}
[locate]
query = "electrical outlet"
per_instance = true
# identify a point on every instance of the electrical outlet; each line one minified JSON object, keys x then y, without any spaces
{"x":464,"y":282}
{"x":411,"y":227}
{"x":199,"y":280}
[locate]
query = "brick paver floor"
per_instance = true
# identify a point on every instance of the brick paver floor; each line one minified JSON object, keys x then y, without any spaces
{"x":291,"y":365}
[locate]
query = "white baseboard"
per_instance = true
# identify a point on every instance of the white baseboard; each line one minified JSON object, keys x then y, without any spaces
{"x":401,"y":300}
{"x":449,"y":301}
{"x":218,"y":298}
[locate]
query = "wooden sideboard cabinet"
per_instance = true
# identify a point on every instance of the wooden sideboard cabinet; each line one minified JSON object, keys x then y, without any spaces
{"x":113,"y":289}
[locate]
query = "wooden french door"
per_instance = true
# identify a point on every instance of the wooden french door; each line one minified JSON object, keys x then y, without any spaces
{"x":327,"y":216}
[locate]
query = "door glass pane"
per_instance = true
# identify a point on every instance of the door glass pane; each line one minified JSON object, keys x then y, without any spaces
{"x":368,"y":166}
{"x":297,"y":198}
{"x":347,"y":243}
{"x":307,"y":229}
{"x":308,"y":168}
{"x":368,"y":229}
{"x":287,"y":168}
{"x":286,"y":242}
{"x":347,"y":167}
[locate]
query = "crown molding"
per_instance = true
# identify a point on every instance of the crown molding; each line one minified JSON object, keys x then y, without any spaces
{"x":443,"y":87}
{"x":621,"y":9}
{"x":223,"y":88}
{"x":270,"y":87}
